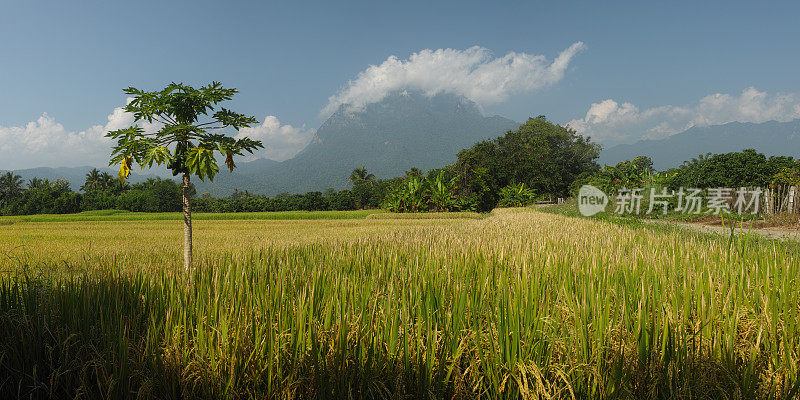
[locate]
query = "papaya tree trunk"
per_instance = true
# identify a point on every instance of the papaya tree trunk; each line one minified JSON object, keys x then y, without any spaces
{"x":187,"y":224}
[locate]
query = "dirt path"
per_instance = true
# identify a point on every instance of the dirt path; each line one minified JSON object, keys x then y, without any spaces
{"x":771,"y":233}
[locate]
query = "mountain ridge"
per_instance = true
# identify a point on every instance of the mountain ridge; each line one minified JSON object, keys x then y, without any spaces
{"x":402,"y":131}
{"x":414,"y":130}
{"x":770,"y":138}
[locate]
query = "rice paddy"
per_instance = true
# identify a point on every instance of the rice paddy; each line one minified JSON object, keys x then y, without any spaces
{"x":519,"y":304}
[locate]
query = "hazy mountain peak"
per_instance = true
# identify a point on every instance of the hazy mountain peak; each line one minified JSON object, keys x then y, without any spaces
{"x":405,"y":129}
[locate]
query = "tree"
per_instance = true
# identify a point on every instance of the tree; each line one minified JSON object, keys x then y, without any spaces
{"x":97,"y":181}
{"x":745,"y":168}
{"x":544,"y":156}
{"x":44,"y":196}
{"x":516,"y":196}
{"x":101,"y":190}
{"x":414,"y":172}
{"x":10,"y":187}
{"x":35,"y":183}
{"x":184,"y":143}
{"x":94,"y":181}
{"x":441,"y":191}
{"x":626,"y":174}
{"x":360,"y":174}
{"x":362,"y":185}
{"x":786,"y":176}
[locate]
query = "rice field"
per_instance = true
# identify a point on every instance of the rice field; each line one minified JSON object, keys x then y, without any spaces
{"x":519,"y":304}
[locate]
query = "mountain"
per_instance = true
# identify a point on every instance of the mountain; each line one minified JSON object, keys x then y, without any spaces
{"x":402,"y":131}
{"x":770,"y":138}
{"x":75,"y":175}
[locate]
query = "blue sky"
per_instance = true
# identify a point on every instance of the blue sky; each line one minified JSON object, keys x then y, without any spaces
{"x":645,"y":70}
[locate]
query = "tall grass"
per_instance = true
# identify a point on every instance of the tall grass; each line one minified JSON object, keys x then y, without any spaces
{"x":517,"y":305}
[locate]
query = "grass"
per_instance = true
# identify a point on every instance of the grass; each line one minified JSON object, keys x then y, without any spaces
{"x":520,"y":304}
{"x":428,"y":215}
{"x":570,"y":209}
{"x":118,"y":215}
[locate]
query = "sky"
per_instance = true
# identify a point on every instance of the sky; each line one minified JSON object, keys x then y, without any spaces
{"x":615,"y":71}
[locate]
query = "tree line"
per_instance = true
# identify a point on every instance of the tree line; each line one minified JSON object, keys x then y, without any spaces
{"x":102,"y":191}
{"x":746,"y":168}
{"x":538,"y":160}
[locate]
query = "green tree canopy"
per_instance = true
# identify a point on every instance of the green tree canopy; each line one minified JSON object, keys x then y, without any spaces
{"x":544,"y":156}
{"x":10,"y":186}
{"x":745,"y":168}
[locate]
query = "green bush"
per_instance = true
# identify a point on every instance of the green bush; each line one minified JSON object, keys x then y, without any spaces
{"x":516,"y":195}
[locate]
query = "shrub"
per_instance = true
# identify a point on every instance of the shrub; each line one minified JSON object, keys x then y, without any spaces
{"x":516,"y":195}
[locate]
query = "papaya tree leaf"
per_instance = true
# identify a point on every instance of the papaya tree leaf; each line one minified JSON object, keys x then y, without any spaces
{"x":200,"y":161}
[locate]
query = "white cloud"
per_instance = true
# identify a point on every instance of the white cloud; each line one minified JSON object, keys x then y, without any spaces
{"x":281,"y":142}
{"x":473,"y":73}
{"x":610,"y":122}
{"x":46,"y":143}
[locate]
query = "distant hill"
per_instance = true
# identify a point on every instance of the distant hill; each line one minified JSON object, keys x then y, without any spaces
{"x":770,"y":138}
{"x":404,"y":130}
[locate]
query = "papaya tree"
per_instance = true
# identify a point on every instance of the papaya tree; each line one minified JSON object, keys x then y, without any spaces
{"x":189,"y":135}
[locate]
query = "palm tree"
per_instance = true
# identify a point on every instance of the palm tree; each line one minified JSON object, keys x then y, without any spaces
{"x":10,"y":186}
{"x":362,"y":185}
{"x":97,"y":181}
{"x":360,"y":174}
{"x":94,"y":181}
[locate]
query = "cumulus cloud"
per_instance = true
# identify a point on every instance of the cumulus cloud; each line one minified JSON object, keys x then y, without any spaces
{"x":46,"y":143}
{"x":473,"y":72}
{"x":610,"y":122}
{"x":281,"y":142}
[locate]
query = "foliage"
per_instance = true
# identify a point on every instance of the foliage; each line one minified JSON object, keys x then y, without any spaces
{"x":184,"y":143}
{"x":417,"y":193}
{"x":516,"y":195}
{"x":545,"y":157}
{"x":634,"y":173}
{"x":153,"y":195}
{"x":441,"y":191}
{"x":101,"y":190}
{"x":360,"y":174}
{"x":786,"y":176}
{"x":747,"y":168}
{"x":44,"y":197}
{"x":164,"y":195}
{"x":10,"y":187}
{"x":97,"y":181}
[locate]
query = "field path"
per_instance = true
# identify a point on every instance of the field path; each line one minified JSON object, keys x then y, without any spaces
{"x":770,"y":233}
